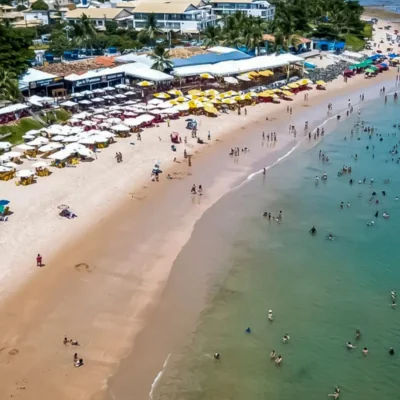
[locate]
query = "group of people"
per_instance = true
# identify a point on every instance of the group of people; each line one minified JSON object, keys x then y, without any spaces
{"x":197,"y":190}
{"x":78,"y":362}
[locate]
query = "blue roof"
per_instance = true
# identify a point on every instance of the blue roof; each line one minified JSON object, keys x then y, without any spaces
{"x":210,"y":58}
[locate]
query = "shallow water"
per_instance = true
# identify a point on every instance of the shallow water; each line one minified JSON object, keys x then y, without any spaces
{"x":320,"y":291}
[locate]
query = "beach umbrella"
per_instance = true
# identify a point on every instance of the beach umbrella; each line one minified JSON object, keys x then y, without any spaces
{"x":85,"y":102}
{"x":321,"y":83}
{"x":76,"y":95}
{"x":173,"y":102}
{"x":155,"y":101}
{"x":99,"y":116}
{"x":120,"y":96}
{"x":88,"y":123}
{"x":287,"y":93}
{"x":182,"y":107}
{"x":196,"y":92}
{"x":175,"y":92}
{"x":231,"y":80}
{"x":114,"y":120}
{"x":24,"y":147}
{"x":206,"y":76}
{"x":39,"y":141}
{"x":4,"y":202}
{"x":181,"y":99}
{"x":285,"y":87}
{"x":370,"y":71}
{"x":109,"y":89}
{"x":40,"y":164}
{"x":120,"y":128}
{"x":122,"y":86}
{"x":162,"y":95}
{"x":114,"y":112}
{"x":25,"y":173}
{"x":70,"y":139}
{"x":97,"y":100}
{"x":5,"y":145}
{"x":211,"y":110}
{"x":228,"y":101}
{"x":195,"y":104}
{"x":145,"y":83}
{"x":215,"y":101}
{"x":13,"y":154}
{"x":98,"y":91}
{"x":211,"y":92}
{"x":87,"y":92}
{"x":108,"y":97}
{"x":266,"y":72}
{"x":11,"y":165}
{"x":293,"y":85}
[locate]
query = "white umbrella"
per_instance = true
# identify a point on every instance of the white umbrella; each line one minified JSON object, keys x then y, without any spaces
{"x":93,"y":139}
{"x":129,"y":102}
{"x":74,"y":120}
{"x":116,"y":107}
{"x":145,"y":118}
{"x":99,"y":116}
{"x":75,"y":129}
{"x":87,"y":92}
{"x":33,"y":132}
{"x":129,"y":114}
{"x":13,"y":154}
{"x":120,"y":128}
{"x":76,"y":95}
{"x":182,"y":107}
{"x":88,"y":123}
{"x":109,"y":88}
{"x":11,"y":165}
{"x":166,"y":104}
{"x":97,"y":100}
{"x":28,"y":137}
{"x":155,"y":111}
{"x":4,"y":158}
{"x":68,"y":103}
{"x":82,"y":115}
{"x":85,"y":152}
{"x":108,"y":97}
{"x":114,"y":120}
{"x":132,"y":122}
{"x":169,"y":111}
{"x":232,"y":80}
{"x":115,"y":112}
{"x":25,"y":173}
{"x":58,"y":138}
{"x":130,"y":93}
{"x":105,"y":124}
{"x":5,"y":145}
{"x":85,"y":102}
{"x":99,"y":110}
{"x":98,"y":91}
{"x":40,"y":164}
{"x":106,"y":134}
{"x":4,"y":169}
{"x":50,"y":147}
{"x":122,"y":86}
{"x":24,"y":147}
{"x":156,"y":101}
{"x":39,"y":141}
{"x":120,"y":96}
{"x":70,"y":139}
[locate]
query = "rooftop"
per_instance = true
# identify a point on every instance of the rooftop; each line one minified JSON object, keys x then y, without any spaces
{"x":210,"y":58}
{"x":167,"y":7}
{"x":95,"y":13}
{"x":237,"y":1}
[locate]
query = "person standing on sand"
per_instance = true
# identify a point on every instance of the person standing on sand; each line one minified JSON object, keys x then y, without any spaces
{"x":245,"y":111}
{"x":209,"y":135}
{"x":39,"y":260}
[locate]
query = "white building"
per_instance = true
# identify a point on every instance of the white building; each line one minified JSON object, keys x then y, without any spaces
{"x":39,"y":16}
{"x":255,"y":8}
{"x":180,"y":16}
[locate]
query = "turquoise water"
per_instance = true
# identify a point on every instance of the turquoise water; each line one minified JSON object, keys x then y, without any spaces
{"x":320,"y":291}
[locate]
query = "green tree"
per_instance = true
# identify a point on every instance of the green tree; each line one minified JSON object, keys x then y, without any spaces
{"x":161,"y":58}
{"x":21,"y":7}
{"x":212,"y":36}
{"x":39,"y":5}
{"x":60,"y":43}
{"x":9,"y":86}
{"x":150,"y":32}
{"x":84,"y":32}
{"x":14,"y":50}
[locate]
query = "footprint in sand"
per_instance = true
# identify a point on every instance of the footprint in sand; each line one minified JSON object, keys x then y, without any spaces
{"x":13,"y":352}
{"x":84,"y":267}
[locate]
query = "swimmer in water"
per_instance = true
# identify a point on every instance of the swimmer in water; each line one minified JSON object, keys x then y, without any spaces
{"x":358,"y":334}
{"x":350,"y":346}
{"x":348,"y":205}
{"x":278,"y":360}
{"x":391,"y":351}
{"x":248,"y":330}
{"x":217,"y":356}
{"x":313,"y":231}
{"x":270,"y":317}
{"x":393,"y":294}
{"x":330,"y":237}
{"x":336,"y":394}
{"x":386,"y":215}
{"x":370,"y":223}
{"x":316,"y":180}
{"x":365,"y":351}
{"x":272,"y":355}
{"x":394,"y":305}
{"x":285,"y":338}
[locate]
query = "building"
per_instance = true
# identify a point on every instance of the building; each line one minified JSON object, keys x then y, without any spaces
{"x":8,"y":13}
{"x":40,"y":17}
{"x":254,"y":8}
{"x":99,"y":16}
{"x":180,"y":16}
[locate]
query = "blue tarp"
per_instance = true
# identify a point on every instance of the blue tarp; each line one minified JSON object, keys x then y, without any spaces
{"x":209,"y":59}
{"x":375,"y":57}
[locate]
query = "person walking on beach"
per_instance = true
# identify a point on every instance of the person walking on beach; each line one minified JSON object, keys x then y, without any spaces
{"x":209,"y":135}
{"x":193,"y":190}
{"x":290,"y":111}
{"x":39,"y":260}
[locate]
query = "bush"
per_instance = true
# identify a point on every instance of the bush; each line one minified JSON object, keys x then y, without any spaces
{"x":354,"y":43}
{"x":39,"y":5}
{"x":19,"y":129}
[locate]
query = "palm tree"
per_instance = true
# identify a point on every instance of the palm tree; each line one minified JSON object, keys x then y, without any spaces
{"x":283,"y":43}
{"x":85,"y":32}
{"x":9,"y":86}
{"x":212,"y":36}
{"x":150,"y":32}
{"x":232,"y":39}
{"x":161,"y":59}
{"x":253,"y":37}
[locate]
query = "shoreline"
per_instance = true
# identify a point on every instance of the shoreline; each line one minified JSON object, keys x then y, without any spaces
{"x":128,"y":265}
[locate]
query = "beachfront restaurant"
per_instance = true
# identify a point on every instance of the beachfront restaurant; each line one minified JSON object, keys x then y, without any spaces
{"x":36,"y":82}
{"x":283,"y":65}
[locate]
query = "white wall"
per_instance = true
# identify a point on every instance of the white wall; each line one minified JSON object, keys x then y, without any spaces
{"x":37,"y":15}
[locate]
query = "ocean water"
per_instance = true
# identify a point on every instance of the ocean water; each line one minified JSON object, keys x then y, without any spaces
{"x":320,"y":291}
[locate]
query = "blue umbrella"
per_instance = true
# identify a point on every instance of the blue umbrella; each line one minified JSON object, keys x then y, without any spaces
{"x":4,"y":202}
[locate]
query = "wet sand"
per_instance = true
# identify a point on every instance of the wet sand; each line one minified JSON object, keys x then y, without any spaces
{"x":105,"y":286}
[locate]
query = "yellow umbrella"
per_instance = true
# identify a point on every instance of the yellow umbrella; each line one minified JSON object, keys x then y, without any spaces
{"x":293,"y":85}
{"x":215,"y":101}
{"x":302,"y":82}
{"x":211,"y":109}
{"x":206,"y":76}
{"x":277,"y":90}
{"x":229,"y":101}
{"x":247,"y":96}
{"x":322,"y":83}
{"x":195,"y":104}
{"x":161,"y":95}
{"x":285,"y":87}
{"x":202,"y":99}
{"x":211,"y":92}
{"x":175,"y":92}
{"x":145,"y":83}
{"x":287,"y":93}
{"x":239,"y":98}
{"x":267,"y":72}
{"x":196,"y":92}
{"x":173,"y":102}
{"x":266,"y":93}
{"x":181,"y":99}
{"x":230,"y":93}
{"x":254,"y":74}
{"x":248,"y":75}
{"x":252,"y":94}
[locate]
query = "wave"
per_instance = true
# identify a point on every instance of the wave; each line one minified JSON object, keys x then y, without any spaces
{"x":158,"y":377}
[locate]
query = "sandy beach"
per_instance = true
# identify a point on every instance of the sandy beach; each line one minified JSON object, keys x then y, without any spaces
{"x":105,"y":271}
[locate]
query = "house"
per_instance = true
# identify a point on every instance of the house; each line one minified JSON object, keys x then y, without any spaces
{"x":254,"y":8}
{"x":99,"y":16}
{"x":40,"y":17}
{"x":180,"y":16}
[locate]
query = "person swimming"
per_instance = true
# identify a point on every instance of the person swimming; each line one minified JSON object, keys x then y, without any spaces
{"x":217,"y":356}
{"x":350,"y":346}
{"x":330,"y":237}
{"x":272,"y":355}
{"x":285,"y":338}
{"x":358,"y":334}
{"x":313,"y":231}
{"x":386,"y":215}
{"x":376,"y":214}
{"x":248,"y":330}
{"x":391,"y":351}
{"x":365,"y":351}
{"x":394,"y":303}
{"x":336,"y":393}
{"x":316,"y":180}
{"x":278,"y":360}
{"x":370,"y":223}
{"x":270,"y":317}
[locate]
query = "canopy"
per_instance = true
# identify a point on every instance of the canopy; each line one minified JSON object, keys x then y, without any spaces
{"x":145,"y":83}
{"x":13,"y":108}
{"x":120,"y":128}
{"x":68,"y":103}
{"x":321,"y":83}
{"x":161,"y":95}
{"x":25,"y":173}
{"x":175,"y":92}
